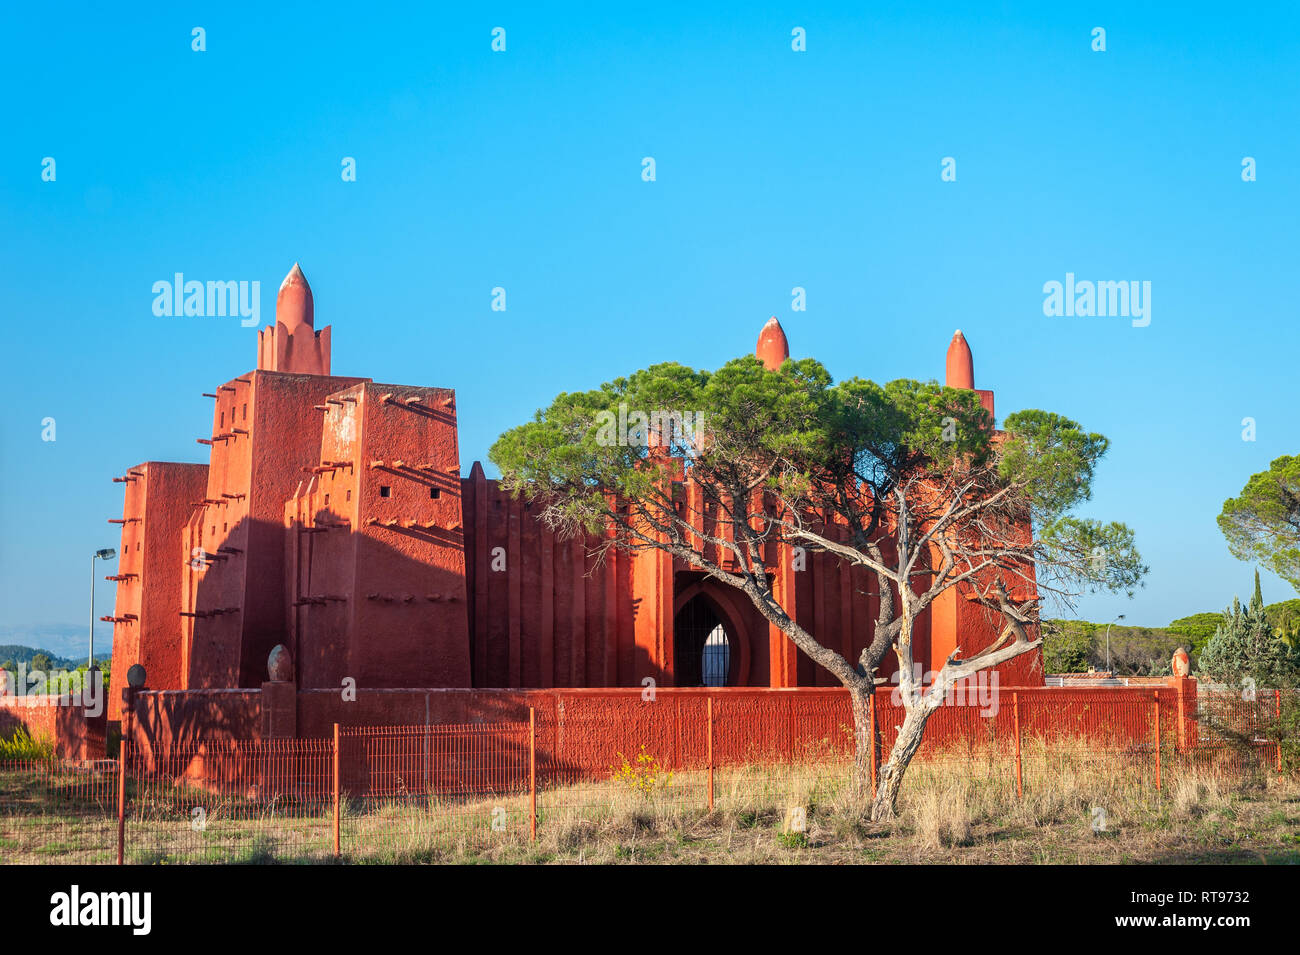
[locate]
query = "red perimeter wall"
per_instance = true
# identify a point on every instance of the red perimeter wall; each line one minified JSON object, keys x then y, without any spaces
{"x":74,"y":734}
{"x":580,"y":732}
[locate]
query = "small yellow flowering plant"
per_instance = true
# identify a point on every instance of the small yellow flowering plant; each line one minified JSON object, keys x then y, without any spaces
{"x":644,"y":775}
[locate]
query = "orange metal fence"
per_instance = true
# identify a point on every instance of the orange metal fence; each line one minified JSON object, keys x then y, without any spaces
{"x":401,"y":793}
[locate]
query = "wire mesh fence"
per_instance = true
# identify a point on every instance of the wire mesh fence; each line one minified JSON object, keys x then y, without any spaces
{"x":54,"y":811}
{"x":422,"y":793}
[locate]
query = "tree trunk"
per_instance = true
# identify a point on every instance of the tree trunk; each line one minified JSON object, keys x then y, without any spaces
{"x":863,"y":741}
{"x":891,"y":774}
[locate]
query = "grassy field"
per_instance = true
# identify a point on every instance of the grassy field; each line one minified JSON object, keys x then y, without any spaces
{"x":1076,"y":808}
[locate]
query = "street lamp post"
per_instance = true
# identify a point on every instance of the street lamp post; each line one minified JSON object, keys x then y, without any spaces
{"x":107,"y":553}
{"x":1108,"y":669}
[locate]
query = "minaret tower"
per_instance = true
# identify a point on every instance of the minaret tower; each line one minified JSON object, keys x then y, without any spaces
{"x":960,"y":370}
{"x":292,"y":344}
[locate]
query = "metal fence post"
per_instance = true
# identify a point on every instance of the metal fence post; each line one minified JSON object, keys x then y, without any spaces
{"x":336,"y":792}
{"x":1155,"y":694}
{"x":1020,"y":777}
{"x":122,"y":759}
{"x":532,"y":773}
{"x":710,"y":699}
{"x":1277,"y":713}
{"x":1181,"y":739}
{"x":871,"y":711}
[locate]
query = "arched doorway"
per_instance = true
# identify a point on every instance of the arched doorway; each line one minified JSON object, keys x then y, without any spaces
{"x":704,"y":652}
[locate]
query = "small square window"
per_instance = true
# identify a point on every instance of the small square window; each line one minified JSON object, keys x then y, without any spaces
{"x":385,"y":491}
{"x":435,"y":493}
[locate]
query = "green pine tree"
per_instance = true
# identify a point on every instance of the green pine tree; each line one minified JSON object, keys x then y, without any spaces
{"x":1245,"y":645}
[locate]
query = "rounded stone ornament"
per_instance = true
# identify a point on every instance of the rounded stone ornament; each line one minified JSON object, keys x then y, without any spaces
{"x":1181,"y":664}
{"x":279,"y":665}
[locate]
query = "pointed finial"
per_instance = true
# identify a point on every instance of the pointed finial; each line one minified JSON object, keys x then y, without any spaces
{"x":960,"y":371}
{"x":294,"y":307}
{"x":772,"y":349}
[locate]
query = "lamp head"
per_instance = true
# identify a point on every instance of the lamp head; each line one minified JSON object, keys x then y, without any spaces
{"x":108,"y":553}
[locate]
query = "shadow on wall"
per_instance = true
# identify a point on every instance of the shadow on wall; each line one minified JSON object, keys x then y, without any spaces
{"x":74,"y":733}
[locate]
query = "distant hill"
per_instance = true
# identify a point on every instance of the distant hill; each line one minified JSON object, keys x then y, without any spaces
{"x":65,"y":640}
{"x":21,"y":654}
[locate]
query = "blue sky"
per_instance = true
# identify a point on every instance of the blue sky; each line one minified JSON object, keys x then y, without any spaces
{"x":775,"y":169}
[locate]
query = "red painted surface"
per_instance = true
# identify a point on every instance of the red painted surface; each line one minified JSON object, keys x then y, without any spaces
{"x":158,"y":503}
{"x":375,"y":542}
{"x":75,"y":734}
{"x":581,"y":732}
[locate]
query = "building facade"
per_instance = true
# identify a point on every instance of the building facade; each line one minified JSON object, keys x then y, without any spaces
{"x":332,"y":519}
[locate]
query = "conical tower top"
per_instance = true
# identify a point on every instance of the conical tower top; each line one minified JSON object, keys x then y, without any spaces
{"x":772,"y":349}
{"x":960,"y":372}
{"x":294,"y":307}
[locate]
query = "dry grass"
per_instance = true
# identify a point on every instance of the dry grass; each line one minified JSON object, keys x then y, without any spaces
{"x":1077,"y":807}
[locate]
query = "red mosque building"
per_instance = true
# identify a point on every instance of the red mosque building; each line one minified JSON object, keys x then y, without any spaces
{"x":332,"y":519}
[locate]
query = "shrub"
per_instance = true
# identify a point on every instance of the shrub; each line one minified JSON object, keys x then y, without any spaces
{"x":645,"y":776}
{"x":22,"y":745}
